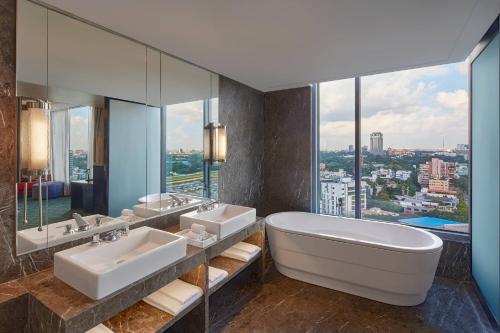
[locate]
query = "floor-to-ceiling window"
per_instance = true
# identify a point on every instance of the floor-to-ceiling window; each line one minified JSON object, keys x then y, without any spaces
{"x":337,"y":154}
{"x":413,"y":147}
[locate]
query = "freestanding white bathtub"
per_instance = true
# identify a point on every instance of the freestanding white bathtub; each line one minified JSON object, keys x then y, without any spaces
{"x":386,"y":262}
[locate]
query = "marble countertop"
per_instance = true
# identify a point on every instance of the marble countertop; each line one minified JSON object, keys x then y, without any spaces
{"x":67,"y":310}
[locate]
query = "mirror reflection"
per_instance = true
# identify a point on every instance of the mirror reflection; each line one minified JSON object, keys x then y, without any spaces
{"x":106,"y":139}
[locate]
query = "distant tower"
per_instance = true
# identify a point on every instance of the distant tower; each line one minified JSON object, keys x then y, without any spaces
{"x":377,"y":143}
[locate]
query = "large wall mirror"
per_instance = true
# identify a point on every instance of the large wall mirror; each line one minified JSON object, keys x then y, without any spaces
{"x":111,"y":132}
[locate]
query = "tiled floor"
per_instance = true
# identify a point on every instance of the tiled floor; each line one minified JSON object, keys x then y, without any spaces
{"x":286,"y":305}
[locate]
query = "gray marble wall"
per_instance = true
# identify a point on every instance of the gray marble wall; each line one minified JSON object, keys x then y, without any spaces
{"x":241,"y":108}
{"x":7,"y":135}
{"x":455,"y":259}
{"x":287,"y":157}
{"x":11,"y":267}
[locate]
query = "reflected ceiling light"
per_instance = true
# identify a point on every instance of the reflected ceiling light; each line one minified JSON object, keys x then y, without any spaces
{"x":215,"y":143}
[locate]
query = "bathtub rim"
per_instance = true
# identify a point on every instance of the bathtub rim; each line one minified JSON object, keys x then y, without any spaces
{"x":437,"y":245}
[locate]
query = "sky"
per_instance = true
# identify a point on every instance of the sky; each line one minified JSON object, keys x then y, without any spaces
{"x":415,"y":108}
{"x":185,"y":126}
{"x":79,"y":128}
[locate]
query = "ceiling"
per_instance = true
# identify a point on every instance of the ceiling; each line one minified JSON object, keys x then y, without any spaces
{"x":277,"y":44}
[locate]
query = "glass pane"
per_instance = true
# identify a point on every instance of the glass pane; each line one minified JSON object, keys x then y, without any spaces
{"x":485,"y":174}
{"x":337,"y":147}
{"x":414,"y":128}
{"x":80,"y":164}
{"x":184,"y":145}
{"x":127,"y":155}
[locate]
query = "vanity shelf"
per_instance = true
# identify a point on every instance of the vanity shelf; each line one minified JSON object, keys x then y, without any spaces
{"x":232,"y":266}
{"x":56,"y":307}
{"x":144,"y":318}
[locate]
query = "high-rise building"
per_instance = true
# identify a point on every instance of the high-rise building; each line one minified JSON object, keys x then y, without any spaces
{"x":338,"y":196}
{"x":440,"y":186}
{"x":377,"y":143}
{"x":71,"y":163}
{"x":351,"y":148}
{"x":424,"y":174}
{"x":436,"y":169}
{"x":441,"y":169}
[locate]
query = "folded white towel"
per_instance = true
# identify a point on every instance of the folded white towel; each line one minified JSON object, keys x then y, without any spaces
{"x":198,"y":228}
{"x":100,"y":329}
{"x":246,"y":247}
{"x":127,"y":212}
{"x":174,"y":297}
{"x":182,"y":292}
{"x":165,"y":303}
{"x":193,"y":235}
{"x":238,"y":254}
{"x":126,"y":218}
{"x":215,"y":275}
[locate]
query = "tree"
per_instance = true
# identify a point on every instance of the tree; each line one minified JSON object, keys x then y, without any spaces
{"x":383,"y":195}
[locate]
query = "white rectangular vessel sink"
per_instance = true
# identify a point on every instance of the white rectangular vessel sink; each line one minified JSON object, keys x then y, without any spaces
{"x":222,"y":221}
{"x":99,"y":270}
{"x":156,"y":208}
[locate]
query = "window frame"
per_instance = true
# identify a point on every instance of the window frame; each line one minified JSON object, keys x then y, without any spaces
{"x":315,"y":144}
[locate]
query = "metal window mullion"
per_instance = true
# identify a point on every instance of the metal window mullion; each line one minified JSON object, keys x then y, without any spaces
{"x":206,"y":164}
{"x":315,"y":179}
{"x":357,"y":142}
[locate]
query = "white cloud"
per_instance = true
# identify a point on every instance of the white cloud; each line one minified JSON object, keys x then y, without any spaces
{"x":336,"y":135}
{"x":457,"y":99}
{"x":413,"y":109}
{"x":463,"y":67}
{"x":337,"y":100}
{"x":79,"y":135}
{"x":190,"y":112}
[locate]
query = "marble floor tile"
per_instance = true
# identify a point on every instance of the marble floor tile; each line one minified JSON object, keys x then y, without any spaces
{"x":286,"y":305}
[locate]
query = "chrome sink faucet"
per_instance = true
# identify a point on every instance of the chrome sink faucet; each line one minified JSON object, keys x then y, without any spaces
{"x":209,"y":205}
{"x":177,"y":201}
{"x":110,"y":236}
{"x":82,"y":224}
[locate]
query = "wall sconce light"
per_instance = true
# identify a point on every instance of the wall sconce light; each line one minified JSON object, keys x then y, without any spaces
{"x":215,"y":143}
{"x":37,"y":126}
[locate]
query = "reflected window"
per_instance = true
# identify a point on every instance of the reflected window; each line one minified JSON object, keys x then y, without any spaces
{"x":184,"y":148}
{"x":80,"y":161}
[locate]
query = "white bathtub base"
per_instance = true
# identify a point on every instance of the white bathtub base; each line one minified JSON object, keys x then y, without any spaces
{"x":384,"y":262}
{"x":350,"y":288}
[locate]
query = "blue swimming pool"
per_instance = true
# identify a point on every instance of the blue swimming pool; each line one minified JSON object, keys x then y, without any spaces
{"x":428,"y":222}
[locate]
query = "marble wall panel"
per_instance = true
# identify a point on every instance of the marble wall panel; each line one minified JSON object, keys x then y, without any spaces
{"x":241,"y":109}
{"x":287,"y":157}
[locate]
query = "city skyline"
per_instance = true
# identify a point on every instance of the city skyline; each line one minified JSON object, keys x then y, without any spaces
{"x":348,"y":147}
{"x":414,"y":109}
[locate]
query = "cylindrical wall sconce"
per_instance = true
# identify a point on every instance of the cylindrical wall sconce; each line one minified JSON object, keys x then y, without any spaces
{"x":38,"y":134}
{"x":215,"y":143}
